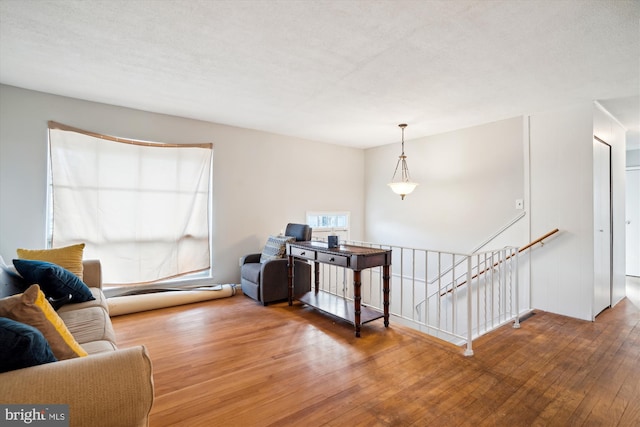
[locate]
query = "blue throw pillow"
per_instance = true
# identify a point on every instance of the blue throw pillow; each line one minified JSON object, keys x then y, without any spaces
{"x":22,"y":346}
{"x":55,"y":282}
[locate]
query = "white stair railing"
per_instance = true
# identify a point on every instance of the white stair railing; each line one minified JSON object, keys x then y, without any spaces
{"x":443,"y":308}
{"x":453,"y":296}
{"x":491,"y":238}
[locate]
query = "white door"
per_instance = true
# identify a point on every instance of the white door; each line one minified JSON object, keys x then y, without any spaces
{"x":633,"y":222}
{"x":602,"y":223}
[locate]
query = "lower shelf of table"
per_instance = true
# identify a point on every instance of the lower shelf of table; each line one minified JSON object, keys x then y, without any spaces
{"x":338,"y":307}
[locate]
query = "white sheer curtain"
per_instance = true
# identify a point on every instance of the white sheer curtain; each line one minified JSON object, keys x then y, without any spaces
{"x":142,"y":208}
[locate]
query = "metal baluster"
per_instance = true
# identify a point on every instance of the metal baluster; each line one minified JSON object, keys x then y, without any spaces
{"x":454,"y":298}
{"x":493,"y":287}
{"x":516,"y":324}
{"x":439,"y":300}
{"x":426,"y":287}
{"x":401,"y":279}
{"x":469,"y":350}
{"x":413,"y":280}
{"x":486,"y":275}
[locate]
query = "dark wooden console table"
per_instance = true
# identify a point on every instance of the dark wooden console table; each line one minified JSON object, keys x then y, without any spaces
{"x":356,"y":258}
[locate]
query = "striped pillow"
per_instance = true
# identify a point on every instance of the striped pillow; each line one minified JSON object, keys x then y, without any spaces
{"x":275,"y":247}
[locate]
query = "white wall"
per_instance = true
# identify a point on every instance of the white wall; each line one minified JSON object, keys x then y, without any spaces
{"x":561,"y":185}
{"x":261,"y":181}
{"x":469,"y":181}
{"x":613,"y":133}
{"x":632,"y":232}
{"x":562,"y":197}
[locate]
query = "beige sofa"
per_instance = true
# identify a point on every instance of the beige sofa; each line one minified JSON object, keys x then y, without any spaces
{"x":111,"y":387}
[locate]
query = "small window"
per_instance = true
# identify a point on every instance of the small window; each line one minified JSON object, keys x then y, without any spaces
{"x":329,"y":223}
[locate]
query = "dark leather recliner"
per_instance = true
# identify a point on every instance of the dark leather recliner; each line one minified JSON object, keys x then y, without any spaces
{"x":267,"y":282}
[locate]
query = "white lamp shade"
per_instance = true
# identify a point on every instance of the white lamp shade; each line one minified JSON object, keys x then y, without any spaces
{"x":403,"y":188}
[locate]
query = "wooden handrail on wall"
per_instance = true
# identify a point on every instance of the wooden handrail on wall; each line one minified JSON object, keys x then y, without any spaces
{"x":522,"y":249}
{"x":538,"y":240}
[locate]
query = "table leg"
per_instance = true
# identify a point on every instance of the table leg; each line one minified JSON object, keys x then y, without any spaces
{"x":385,"y":293}
{"x":356,"y":300}
{"x":290,"y":278}
{"x":316,"y":272}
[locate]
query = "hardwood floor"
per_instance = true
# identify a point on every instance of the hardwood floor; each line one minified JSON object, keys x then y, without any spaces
{"x":232,"y":362}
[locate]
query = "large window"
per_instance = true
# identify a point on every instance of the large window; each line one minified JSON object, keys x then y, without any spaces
{"x":142,"y":208}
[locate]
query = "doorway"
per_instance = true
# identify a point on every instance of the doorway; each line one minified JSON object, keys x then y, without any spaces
{"x":602,"y":239}
{"x":633,"y":221}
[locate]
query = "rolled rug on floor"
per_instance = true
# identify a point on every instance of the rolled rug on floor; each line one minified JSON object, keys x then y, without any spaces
{"x":151,"y":300}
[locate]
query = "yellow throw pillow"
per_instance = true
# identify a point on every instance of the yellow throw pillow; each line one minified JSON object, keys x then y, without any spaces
{"x":68,"y":257}
{"x":32,"y":308}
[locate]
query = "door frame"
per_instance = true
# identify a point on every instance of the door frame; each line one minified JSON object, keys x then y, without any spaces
{"x":627,"y":170}
{"x":611,"y":237}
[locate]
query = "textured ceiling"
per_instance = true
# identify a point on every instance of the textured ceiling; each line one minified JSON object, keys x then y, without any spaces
{"x":338,"y":71}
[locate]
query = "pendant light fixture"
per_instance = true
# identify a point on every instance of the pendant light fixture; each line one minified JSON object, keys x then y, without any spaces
{"x":402,"y":185}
